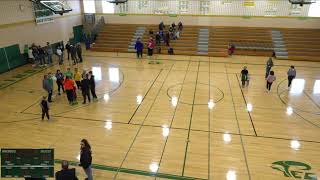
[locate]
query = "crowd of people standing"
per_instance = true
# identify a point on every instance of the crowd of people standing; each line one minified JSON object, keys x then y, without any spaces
{"x":269,"y":75}
{"x":42,"y":56}
{"x":70,"y":83}
{"x":155,"y":40}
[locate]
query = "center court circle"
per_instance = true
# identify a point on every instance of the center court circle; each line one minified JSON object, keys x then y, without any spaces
{"x":202,"y":90}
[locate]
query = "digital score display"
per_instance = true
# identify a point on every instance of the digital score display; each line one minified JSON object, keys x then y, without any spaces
{"x":36,"y":163}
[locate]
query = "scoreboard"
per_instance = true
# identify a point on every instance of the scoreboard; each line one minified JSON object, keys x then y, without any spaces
{"x":19,"y":163}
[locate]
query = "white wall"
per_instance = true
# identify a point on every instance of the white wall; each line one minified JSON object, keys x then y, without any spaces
{"x":215,"y":7}
{"x":216,"y":21}
{"x":17,"y":24}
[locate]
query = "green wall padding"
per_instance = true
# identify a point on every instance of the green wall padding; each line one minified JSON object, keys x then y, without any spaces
{"x":15,"y":58}
{"x":3,"y":61}
{"x":78,"y":32}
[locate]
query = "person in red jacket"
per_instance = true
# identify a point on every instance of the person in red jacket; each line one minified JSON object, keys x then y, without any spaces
{"x":69,"y":88}
{"x":151,"y":46}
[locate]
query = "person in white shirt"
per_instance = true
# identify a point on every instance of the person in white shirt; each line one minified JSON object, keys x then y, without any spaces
{"x":59,"y":53}
{"x":30,"y":56}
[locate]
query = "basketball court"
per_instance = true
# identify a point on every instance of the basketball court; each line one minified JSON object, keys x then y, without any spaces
{"x":186,"y":118}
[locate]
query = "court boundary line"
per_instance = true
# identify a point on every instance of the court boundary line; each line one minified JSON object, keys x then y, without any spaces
{"x":294,"y":111}
{"x":175,"y":128}
{"x":239,"y":130}
{"x":182,"y":102}
{"x":190,"y":123}
{"x":313,"y":101}
{"x":245,"y":101}
{"x":144,"y":97}
{"x":297,"y":108}
{"x":133,"y":171}
{"x":209,"y":124}
{"x":219,"y":62}
{"x":173,"y":116}
{"x":135,"y":137}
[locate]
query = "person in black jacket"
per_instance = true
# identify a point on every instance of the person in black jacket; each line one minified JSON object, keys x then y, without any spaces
{"x":85,"y":88}
{"x":68,"y":49}
{"x":79,"y":52}
{"x":86,"y":158}
{"x":66,"y":173}
{"x":92,"y":85}
{"x":73,"y":50}
{"x":42,"y":55}
{"x":44,"y":104}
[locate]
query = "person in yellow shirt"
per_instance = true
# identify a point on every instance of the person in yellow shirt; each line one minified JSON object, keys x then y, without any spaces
{"x":77,"y":77}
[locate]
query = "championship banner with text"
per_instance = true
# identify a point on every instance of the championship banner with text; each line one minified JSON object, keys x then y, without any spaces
{"x":42,"y":14}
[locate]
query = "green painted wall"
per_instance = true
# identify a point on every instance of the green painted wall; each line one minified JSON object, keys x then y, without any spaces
{"x":77,"y":32}
{"x":10,"y":57}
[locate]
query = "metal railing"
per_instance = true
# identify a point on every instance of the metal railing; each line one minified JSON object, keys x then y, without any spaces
{"x":98,"y":27}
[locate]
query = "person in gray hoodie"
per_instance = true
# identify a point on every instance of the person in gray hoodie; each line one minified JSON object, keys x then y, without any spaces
{"x":291,"y":75}
{"x":50,"y":52}
{"x":269,"y":65}
{"x":47,"y":86}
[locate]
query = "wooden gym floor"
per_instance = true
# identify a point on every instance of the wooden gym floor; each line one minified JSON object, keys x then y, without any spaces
{"x":156,"y":118}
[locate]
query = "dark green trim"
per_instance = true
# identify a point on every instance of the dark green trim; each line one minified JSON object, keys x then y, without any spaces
{"x":22,"y":77}
{"x":132,"y":171}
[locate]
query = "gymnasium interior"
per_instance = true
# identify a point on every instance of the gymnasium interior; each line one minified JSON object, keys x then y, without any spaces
{"x":190,"y":113}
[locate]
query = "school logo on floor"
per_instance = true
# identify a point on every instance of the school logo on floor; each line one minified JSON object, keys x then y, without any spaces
{"x":294,"y":169}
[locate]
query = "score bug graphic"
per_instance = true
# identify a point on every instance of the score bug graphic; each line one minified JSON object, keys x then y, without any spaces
{"x":34,"y":163}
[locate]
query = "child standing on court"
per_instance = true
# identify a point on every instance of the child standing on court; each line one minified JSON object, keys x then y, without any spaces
{"x":139,"y":47}
{"x":69,"y":73}
{"x":151,"y":45}
{"x":244,"y":76}
{"x":291,"y":75}
{"x":69,"y":86}
{"x":270,"y":79}
{"x":77,"y":78}
{"x":44,"y":107}
{"x":269,"y":65}
{"x":60,"y":79}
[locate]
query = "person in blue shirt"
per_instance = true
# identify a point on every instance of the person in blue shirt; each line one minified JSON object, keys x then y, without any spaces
{"x":139,"y":47}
